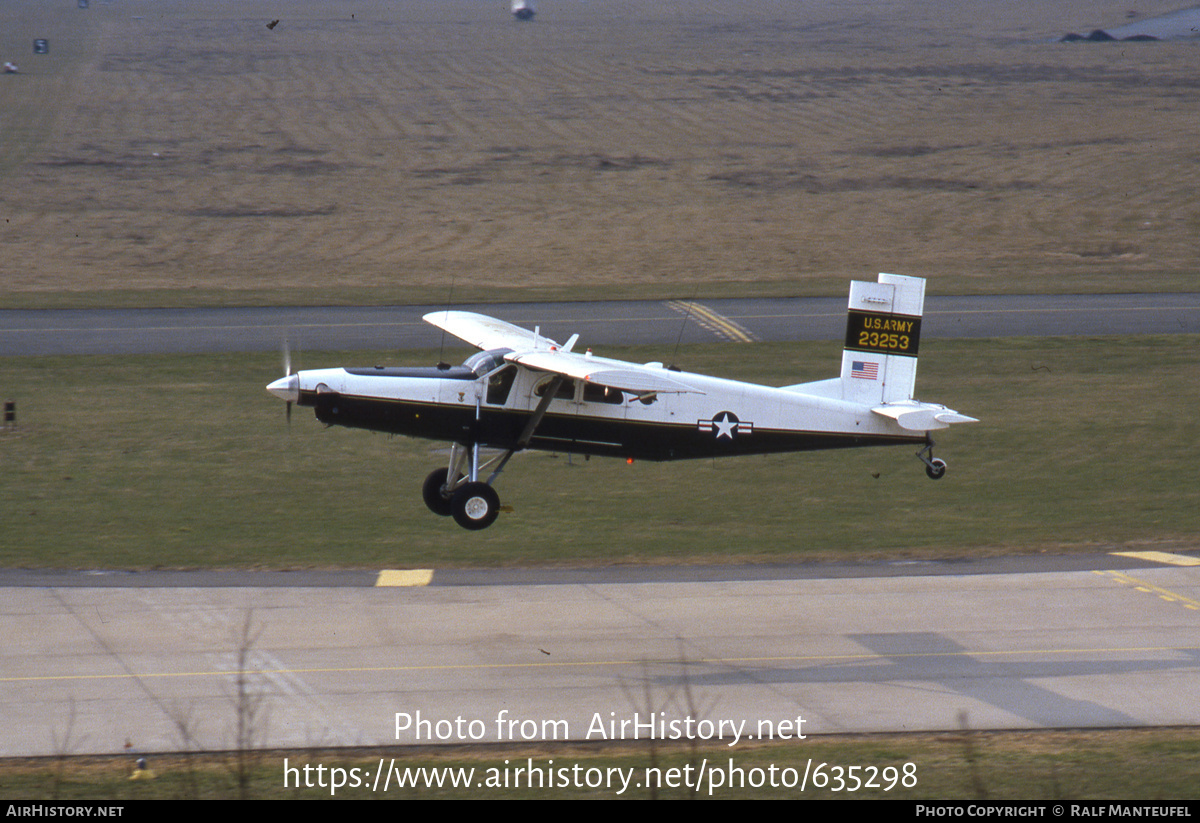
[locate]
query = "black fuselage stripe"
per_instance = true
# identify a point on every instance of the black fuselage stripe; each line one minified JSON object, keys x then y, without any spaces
{"x":580,"y":433}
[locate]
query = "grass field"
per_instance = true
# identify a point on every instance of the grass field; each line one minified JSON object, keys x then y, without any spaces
{"x":169,"y":461}
{"x":366,"y":151}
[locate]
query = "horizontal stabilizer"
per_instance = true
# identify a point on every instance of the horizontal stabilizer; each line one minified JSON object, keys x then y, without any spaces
{"x":949,"y":416}
{"x":922,"y":416}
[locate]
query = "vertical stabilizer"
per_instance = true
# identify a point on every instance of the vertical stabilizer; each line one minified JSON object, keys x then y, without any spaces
{"x":883,"y":330}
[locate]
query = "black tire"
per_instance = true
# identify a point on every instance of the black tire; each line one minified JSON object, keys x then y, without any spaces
{"x":936,"y":469}
{"x":437,"y":501}
{"x":476,"y":506}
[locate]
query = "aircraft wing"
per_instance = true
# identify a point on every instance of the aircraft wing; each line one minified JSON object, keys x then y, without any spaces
{"x":485,"y":332}
{"x":629,"y":377}
{"x":916,"y":416}
{"x":534,"y":351}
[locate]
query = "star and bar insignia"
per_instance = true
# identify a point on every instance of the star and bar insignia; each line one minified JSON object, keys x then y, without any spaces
{"x":725,"y":424}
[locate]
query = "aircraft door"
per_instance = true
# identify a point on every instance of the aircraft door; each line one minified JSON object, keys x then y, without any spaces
{"x":499,"y":386}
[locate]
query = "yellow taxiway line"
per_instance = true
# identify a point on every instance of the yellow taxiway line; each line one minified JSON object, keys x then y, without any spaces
{"x":713,"y":321}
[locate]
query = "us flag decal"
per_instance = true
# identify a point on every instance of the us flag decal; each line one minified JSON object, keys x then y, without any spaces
{"x":864,"y":370}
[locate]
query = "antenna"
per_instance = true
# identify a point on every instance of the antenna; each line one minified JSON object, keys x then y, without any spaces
{"x":687,"y":305}
{"x":442,"y":364}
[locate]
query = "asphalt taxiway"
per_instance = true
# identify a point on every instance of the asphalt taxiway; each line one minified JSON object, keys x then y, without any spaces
{"x":648,"y":322}
{"x":156,"y":661}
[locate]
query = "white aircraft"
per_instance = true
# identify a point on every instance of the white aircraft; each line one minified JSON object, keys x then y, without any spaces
{"x":525,"y":391}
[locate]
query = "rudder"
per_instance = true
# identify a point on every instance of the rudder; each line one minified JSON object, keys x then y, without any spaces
{"x":883,"y":335}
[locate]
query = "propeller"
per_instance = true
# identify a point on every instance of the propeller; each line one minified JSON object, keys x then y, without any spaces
{"x":287,"y":371}
{"x":287,"y":387}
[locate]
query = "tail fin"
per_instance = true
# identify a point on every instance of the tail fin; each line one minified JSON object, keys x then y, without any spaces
{"x":883,"y":331}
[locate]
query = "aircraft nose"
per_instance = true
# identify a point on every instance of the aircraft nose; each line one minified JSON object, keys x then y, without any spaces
{"x":286,"y":388}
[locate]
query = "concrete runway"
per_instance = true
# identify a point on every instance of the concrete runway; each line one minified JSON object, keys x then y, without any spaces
{"x":141,"y":331}
{"x":94,"y":660}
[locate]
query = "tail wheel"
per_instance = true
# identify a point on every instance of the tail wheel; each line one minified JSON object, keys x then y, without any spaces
{"x":436,"y":498}
{"x":936,"y":469}
{"x":475,"y":506}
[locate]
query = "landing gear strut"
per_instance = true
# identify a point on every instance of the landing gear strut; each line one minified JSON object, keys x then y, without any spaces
{"x":472,"y":503}
{"x":457,"y":490}
{"x":934,"y":467}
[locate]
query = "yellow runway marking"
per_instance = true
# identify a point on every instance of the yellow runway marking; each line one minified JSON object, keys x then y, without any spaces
{"x":709,"y":319}
{"x":1162,"y":557}
{"x":716,"y":661}
{"x":1150,"y":588}
{"x":404,"y":577}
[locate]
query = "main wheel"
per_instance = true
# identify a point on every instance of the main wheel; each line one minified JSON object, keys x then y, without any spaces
{"x":476,"y":506}
{"x":936,"y":469}
{"x":435,"y":498}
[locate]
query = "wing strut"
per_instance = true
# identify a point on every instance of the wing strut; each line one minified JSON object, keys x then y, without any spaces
{"x":540,"y":412}
{"x":531,"y":426}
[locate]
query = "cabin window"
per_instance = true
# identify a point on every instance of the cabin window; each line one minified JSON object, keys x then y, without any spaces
{"x":566,"y":389}
{"x":602,"y":394}
{"x":499,"y":385}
